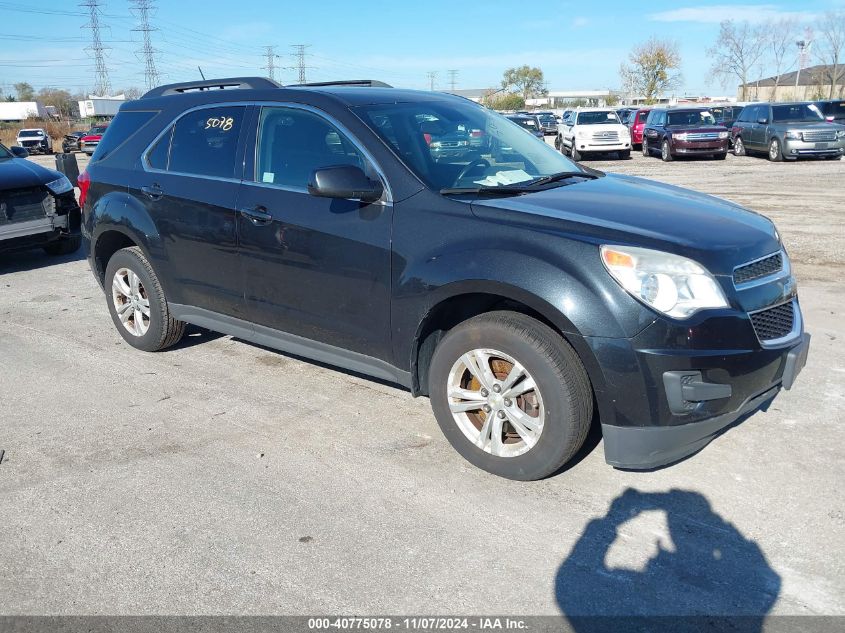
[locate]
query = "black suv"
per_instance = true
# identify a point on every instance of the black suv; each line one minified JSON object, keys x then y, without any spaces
{"x":684,"y":132}
{"x":518,"y":294}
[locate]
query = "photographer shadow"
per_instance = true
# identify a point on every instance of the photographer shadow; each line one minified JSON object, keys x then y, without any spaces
{"x":701,"y":573}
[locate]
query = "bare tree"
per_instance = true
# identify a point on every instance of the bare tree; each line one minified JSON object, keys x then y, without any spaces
{"x":830,"y":47}
{"x":652,"y":69}
{"x":780,"y":42}
{"x":738,"y":49}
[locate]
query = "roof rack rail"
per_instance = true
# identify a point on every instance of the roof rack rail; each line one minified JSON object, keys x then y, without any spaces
{"x":368,"y":83}
{"x":212,"y":84}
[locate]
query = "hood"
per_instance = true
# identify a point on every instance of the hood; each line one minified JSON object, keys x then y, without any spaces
{"x":91,"y":137}
{"x":635,"y":211}
{"x":805,"y":125}
{"x":18,"y":173}
{"x":696,"y":128}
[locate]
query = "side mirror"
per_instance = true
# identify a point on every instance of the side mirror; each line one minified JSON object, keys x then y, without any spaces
{"x":344,"y":181}
{"x":19,"y":152}
{"x":762,"y":121}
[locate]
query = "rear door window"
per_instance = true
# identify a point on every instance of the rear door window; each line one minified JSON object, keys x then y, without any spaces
{"x":202,"y":143}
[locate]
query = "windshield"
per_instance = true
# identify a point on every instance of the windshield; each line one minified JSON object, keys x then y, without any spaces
{"x":98,"y":129}
{"x":528,"y":124}
{"x":26,"y":133}
{"x":597,"y":118}
{"x":691,"y":117}
{"x":453,"y":144}
{"x":797,"y":112}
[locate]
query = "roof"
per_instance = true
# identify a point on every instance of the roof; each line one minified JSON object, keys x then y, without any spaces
{"x":811,"y":76}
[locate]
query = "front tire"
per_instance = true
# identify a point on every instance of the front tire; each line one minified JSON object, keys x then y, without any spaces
{"x":137,"y":303}
{"x":775,"y":154}
{"x":739,"y":147}
{"x":666,"y":151}
{"x":510,"y":395}
{"x":646,"y":151}
{"x":574,"y":153}
{"x":625,"y":155}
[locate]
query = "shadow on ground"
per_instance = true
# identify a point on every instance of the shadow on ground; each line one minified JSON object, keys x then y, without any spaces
{"x":681,"y":559}
{"x":18,"y":261}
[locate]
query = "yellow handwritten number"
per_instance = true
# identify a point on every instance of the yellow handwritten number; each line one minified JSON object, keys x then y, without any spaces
{"x":223,"y":123}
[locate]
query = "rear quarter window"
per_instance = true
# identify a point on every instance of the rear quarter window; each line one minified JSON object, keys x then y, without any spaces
{"x":204,"y":142}
{"x":121,"y":129}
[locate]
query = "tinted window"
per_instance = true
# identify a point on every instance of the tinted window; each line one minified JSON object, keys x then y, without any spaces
{"x":642,"y":116}
{"x":293,"y":143}
{"x":158,"y":155}
{"x":597,"y":118}
{"x":807,"y":112}
{"x":204,"y":142}
{"x":691,"y":117}
{"x":124,"y":125}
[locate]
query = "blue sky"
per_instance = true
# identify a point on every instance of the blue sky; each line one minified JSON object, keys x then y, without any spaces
{"x":579,"y":45}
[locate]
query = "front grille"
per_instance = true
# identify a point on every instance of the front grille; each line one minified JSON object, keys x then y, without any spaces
{"x":703,"y":136}
{"x":760,"y":268}
{"x":607,"y":137}
{"x":773,"y":323}
{"x":29,"y":143}
{"x":816,"y":136}
{"x":22,"y":205}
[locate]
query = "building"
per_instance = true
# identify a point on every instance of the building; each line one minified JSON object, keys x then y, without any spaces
{"x":100,"y":106}
{"x":810,"y":84}
{"x":21,"y":110}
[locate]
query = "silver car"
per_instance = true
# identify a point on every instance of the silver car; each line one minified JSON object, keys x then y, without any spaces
{"x":787,"y":131}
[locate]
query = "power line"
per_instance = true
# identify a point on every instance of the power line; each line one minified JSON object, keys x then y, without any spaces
{"x":453,"y":79}
{"x":299,"y":56}
{"x":102,"y":85}
{"x":270,"y":54}
{"x":151,"y":76}
{"x":432,"y":77}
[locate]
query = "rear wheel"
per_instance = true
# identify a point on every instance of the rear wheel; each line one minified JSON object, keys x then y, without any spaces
{"x":666,"y":151}
{"x":137,"y":303}
{"x":775,"y":155}
{"x":510,"y":395}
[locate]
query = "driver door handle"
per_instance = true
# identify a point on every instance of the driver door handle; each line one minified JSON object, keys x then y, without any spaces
{"x":257,"y":215}
{"x":153,"y":191}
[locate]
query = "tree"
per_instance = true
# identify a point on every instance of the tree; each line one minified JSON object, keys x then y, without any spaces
{"x":527,"y":81}
{"x":508,"y":101}
{"x":779,"y":42}
{"x":652,"y":69}
{"x":132,"y":93}
{"x":59,"y":99}
{"x":24,"y":91}
{"x":737,"y":50}
{"x":830,"y":47}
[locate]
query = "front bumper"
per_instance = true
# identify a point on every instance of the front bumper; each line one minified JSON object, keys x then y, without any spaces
{"x":700,"y":147}
{"x":792,"y":147}
{"x":591,"y":146}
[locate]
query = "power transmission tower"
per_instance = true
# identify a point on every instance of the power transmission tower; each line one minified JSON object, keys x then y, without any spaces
{"x":142,"y":11}
{"x":102,"y":85}
{"x":299,"y":56}
{"x":453,"y":79}
{"x":432,"y":77}
{"x":270,"y":54}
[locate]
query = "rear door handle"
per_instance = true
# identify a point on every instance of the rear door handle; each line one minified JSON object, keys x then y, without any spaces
{"x":257,"y":215}
{"x":154,"y":192}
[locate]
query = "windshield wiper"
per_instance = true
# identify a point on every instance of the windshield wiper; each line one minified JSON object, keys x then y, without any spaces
{"x":563,"y":175}
{"x":495,"y":191}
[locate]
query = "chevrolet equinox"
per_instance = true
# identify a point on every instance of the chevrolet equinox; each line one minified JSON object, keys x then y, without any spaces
{"x":523,"y":294}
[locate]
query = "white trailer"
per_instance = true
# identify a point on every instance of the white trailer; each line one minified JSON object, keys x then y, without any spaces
{"x":100,"y":106}
{"x":21,"y":110}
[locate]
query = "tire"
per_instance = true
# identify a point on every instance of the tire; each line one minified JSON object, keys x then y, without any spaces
{"x":562,"y":398}
{"x":666,"y":151}
{"x":558,"y":143}
{"x":775,"y":153}
{"x":162,"y":330}
{"x":626,"y":155}
{"x":720,"y":156}
{"x":574,"y":153}
{"x":739,"y":147}
{"x":64,"y":246}
{"x":646,"y":150}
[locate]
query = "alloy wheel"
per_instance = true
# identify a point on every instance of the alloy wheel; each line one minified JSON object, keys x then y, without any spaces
{"x":130,"y":301}
{"x":495,"y":402}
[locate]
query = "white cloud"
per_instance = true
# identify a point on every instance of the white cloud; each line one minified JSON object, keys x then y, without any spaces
{"x":714,"y":14}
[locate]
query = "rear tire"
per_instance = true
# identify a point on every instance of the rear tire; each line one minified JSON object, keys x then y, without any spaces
{"x":151,"y":331}
{"x":646,"y":151}
{"x":560,"y":395}
{"x":64,"y":246}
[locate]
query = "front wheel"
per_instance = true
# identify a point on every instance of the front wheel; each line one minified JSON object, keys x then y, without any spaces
{"x":720,"y":156}
{"x":64,"y":246}
{"x":625,"y":155}
{"x":666,"y":151}
{"x":645,"y":149}
{"x":574,"y":153}
{"x":775,"y":155}
{"x":137,"y":303}
{"x":739,"y":147}
{"x":558,"y":143}
{"x":510,"y":395}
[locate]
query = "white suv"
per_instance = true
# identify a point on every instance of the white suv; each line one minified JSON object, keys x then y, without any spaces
{"x":593,"y":130}
{"x":35,"y":140}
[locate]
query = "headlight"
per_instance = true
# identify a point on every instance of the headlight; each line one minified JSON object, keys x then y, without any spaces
{"x":796,"y":136}
{"x":840,"y":134}
{"x":723,"y":135}
{"x":674,"y":285}
{"x":60,"y":186}
{"x":682,"y":136}
{"x":581,"y":132}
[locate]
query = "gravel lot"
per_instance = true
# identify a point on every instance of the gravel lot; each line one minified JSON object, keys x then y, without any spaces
{"x":222,"y":477}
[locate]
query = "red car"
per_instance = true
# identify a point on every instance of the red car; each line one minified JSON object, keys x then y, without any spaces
{"x":88,"y":143}
{"x":637,"y":123}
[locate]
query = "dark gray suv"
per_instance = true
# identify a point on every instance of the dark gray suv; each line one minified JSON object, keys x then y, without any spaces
{"x":787,"y":131}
